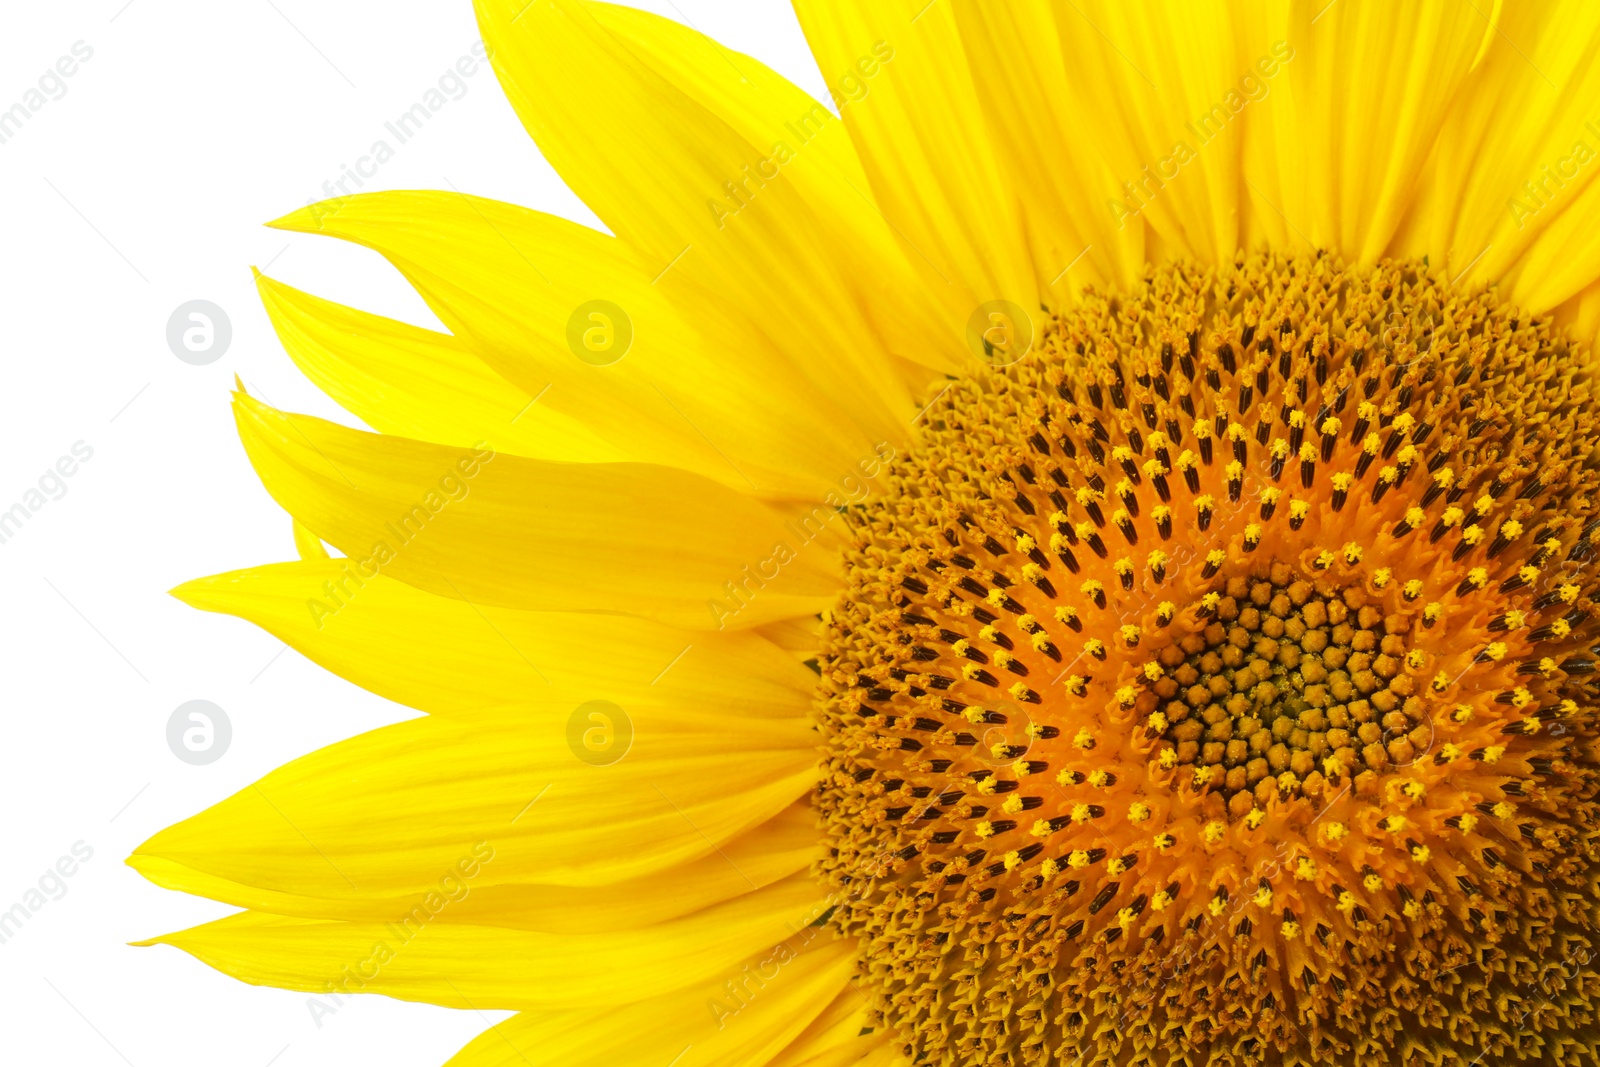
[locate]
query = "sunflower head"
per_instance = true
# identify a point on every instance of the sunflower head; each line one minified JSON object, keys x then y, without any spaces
{"x":1214,"y":685}
{"x":1205,"y":677}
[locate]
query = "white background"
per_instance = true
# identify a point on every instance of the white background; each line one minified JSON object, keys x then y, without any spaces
{"x":142,"y":187}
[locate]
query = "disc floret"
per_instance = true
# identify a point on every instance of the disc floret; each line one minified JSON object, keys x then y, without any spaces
{"x":1214,"y":684}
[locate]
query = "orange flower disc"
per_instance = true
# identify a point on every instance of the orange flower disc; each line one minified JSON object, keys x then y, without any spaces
{"x":1213,"y":686}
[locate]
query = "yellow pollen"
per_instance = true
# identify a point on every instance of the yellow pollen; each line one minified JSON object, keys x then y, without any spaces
{"x":1045,"y":794}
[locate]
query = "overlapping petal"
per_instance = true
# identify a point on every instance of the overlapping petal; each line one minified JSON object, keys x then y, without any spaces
{"x":772,"y":850}
{"x":702,"y":385}
{"x":653,"y":162}
{"x":443,"y":655}
{"x":386,"y":815}
{"x":1512,"y":196}
{"x":504,"y":531}
{"x":411,"y":382}
{"x":464,"y":966}
{"x":922,"y":138}
{"x":768,"y":1011}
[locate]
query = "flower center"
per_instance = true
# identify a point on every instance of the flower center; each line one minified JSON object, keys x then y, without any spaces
{"x":1284,"y":682}
{"x":1213,"y":686}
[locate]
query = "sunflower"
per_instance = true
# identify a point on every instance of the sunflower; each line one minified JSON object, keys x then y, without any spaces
{"x":1086,"y":555}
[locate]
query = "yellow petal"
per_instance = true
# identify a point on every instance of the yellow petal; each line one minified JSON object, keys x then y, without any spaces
{"x":846,"y":1032}
{"x":712,"y":211}
{"x":780,"y":847}
{"x":770,"y":112}
{"x":401,"y":379}
{"x":1581,"y":315}
{"x":482,"y":967}
{"x":799,"y":636}
{"x":1369,"y":86}
{"x":387,"y":814}
{"x":926,"y":147}
{"x":1513,"y":196}
{"x":307,"y":545}
{"x":445,"y":656}
{"x":701,"y":387}
{"x":773,"y":998}
{"x":1160,"y":86}
{"x":1076,"y":231}
{"x":506,"y":531}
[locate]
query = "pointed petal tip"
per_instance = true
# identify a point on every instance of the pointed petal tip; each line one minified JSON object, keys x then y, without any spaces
{"x":192,"y":592}
{"x":307,"y":219}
